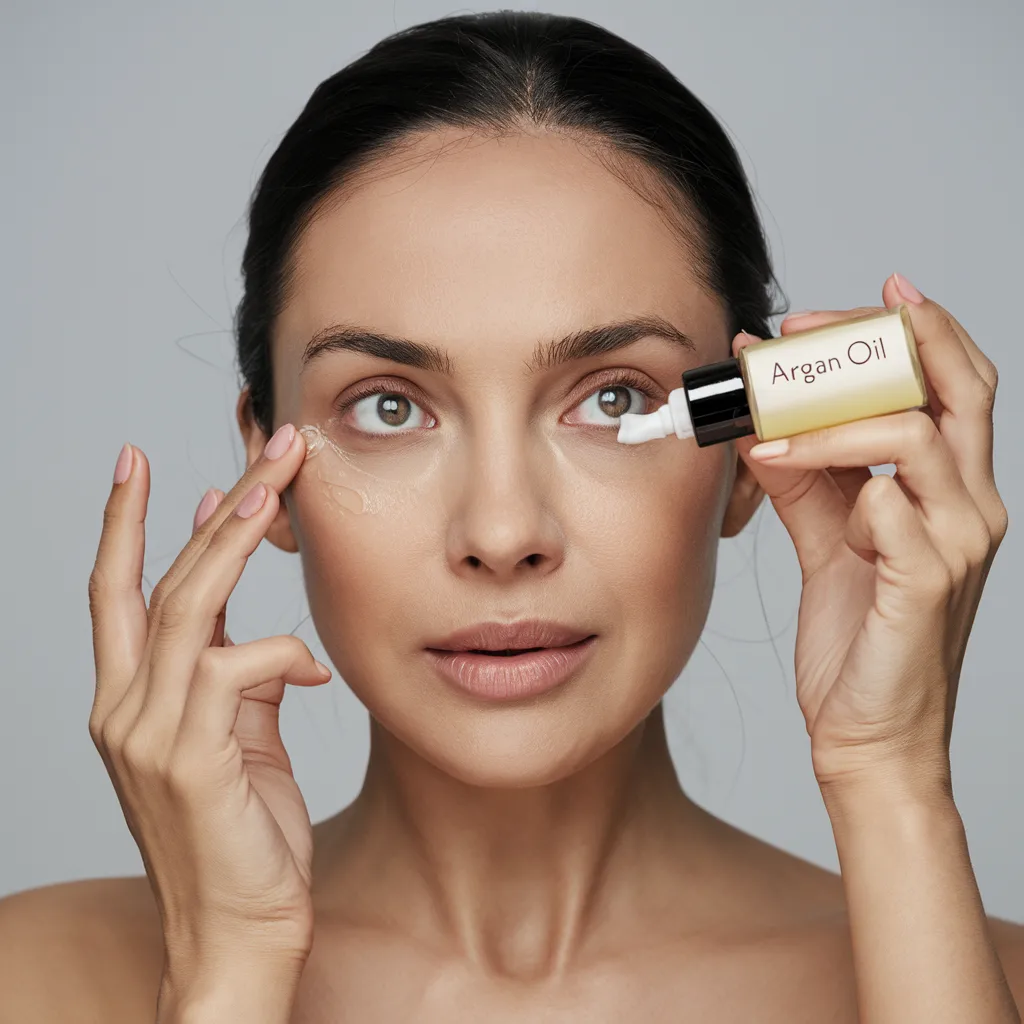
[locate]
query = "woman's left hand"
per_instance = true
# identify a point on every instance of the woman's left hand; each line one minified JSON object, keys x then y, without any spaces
{"x":893,"y":567}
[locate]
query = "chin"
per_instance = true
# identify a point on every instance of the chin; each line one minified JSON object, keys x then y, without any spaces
{"x":516,"y":747}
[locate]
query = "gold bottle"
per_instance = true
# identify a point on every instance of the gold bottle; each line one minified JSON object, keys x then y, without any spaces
{"x":820,"y":377}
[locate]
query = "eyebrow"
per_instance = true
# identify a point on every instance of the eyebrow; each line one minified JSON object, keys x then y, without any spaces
{"x":581,"y":344}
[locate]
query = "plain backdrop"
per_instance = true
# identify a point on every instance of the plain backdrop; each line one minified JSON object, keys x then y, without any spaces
{"x":879,"y":136}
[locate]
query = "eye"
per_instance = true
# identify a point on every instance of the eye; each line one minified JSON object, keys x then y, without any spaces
{"x":388,"y":413}
{"x":604,"y":407}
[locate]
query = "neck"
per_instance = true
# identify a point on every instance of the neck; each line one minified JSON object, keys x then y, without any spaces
{"x":517,"y":880}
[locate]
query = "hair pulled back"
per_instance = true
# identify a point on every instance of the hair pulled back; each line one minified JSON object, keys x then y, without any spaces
{"x":501,"y":72}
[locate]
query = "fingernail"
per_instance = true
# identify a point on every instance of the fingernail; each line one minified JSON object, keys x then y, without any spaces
{"x":907,"y":290}
{"x":280,"y":442}
{"x":123,"y":469}
{"x":206,"y":506}
{"x":252,"y":502}
{"x":770,"y":449}
{"x":322,"y":669}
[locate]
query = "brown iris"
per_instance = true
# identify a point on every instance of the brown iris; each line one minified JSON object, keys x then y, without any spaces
{"x":394,"y":409}
{"x":614,"y":401}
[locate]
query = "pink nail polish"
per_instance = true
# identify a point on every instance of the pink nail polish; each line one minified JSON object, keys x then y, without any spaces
{"x":123,"y":469}
{"x":206,"y":506}
{"x":280,"y":442}
{"x":907,"y":290}
{"x":252,"y":502}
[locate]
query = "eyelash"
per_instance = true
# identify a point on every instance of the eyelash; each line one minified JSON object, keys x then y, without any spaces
{"x":614,"y":378}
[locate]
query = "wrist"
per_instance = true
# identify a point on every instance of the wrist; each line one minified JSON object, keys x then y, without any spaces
{"x":866,"y":774}
{"x":888,"y":793}
{"x":255,"y":990}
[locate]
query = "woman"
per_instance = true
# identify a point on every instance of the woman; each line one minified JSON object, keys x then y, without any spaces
{"x":476,"y":248}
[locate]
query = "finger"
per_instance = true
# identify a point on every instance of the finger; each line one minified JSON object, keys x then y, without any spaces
{"x":280,"y":461}
{"x":222,"y":676}
{"x":189,"y":613}
{"x":903,"y":291}
{"x":960,"y":382}
{"x":809,"y":503}
{"x":884,"y":528}
{"x":210,"y":500}
{"x":116,"y":602}
{"x":910,"y":440}
{"x":964,"y":381}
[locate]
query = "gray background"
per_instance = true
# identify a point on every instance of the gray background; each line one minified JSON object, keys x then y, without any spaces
{"x":878,"y":137}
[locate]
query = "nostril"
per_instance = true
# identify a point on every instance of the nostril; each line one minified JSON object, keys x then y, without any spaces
{"x":473,"y":561}
{"x":533,"y":559}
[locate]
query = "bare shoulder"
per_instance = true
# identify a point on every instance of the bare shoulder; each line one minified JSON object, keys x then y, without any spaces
{"x":80,"y":952}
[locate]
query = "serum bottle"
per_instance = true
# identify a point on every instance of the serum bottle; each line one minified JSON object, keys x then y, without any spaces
{"x":850,"y":370}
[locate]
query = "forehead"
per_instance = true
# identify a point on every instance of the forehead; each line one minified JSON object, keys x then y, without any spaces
{"x":461,"y":240}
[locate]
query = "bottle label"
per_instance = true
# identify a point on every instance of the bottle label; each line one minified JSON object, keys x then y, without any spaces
{"x":828,"y":375}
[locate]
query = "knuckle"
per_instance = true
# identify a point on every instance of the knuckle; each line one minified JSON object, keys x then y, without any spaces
{"x":183,"y":771}
{"x":937,"y":580}
{"x":111,"y":518}
{"x":111,"y":732}
{"x":958,"y":569}
{"x":983,"y":393}
{"x":138,"y":752}
{"x":98,"y":587}
{"x":96,"y":731}
{"x":977,"y":542}
{"x":919,"y":429}
{"x":880,"y":492}
{"x":159,"y":594}
{"x":295,"y":647}
{"x":209,"y":667}
{"x":1000,"y":522}
{"x":175,"y":607}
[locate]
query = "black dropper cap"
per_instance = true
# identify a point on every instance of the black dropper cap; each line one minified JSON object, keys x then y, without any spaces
{"x":717,"y":399}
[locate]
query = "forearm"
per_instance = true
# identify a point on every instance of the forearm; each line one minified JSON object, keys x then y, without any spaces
{"x":921,"y":944}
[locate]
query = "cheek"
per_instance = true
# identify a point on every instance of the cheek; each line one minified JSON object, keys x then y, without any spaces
{"x":361,"y":569}
{"x":649,"y":525}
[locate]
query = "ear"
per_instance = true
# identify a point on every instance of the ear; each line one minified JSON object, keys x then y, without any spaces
{"x":280,"y":532}
{"x":743,"y":501}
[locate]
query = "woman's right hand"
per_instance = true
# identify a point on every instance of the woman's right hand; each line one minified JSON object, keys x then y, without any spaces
{"x":187,"y":725}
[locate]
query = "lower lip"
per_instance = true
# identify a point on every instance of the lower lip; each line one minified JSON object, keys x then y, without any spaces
{"x":494,"y":677}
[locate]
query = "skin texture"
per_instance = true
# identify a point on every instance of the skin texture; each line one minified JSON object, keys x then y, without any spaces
{"x":535,"y":860}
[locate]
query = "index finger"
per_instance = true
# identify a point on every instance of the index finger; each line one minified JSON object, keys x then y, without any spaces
{"x":281,"y":459}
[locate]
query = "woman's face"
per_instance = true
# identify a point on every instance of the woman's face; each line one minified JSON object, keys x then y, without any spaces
{"x":466,"y":469}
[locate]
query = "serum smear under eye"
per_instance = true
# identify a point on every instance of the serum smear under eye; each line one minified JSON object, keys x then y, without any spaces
{"x":850,"y":370}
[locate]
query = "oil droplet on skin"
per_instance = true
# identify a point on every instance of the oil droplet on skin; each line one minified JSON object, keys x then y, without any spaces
{"x":347,"y":498}
{"x":314,"y":439}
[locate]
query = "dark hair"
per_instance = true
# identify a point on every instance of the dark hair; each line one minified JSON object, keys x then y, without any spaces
{"x":502,"y":72}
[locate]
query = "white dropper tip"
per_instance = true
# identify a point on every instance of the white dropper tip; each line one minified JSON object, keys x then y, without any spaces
{"x":671,"y":418}
{"x":635,"y":428}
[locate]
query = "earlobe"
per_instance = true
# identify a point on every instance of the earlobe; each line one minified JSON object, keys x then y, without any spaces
{"x":744,"y":499}
{"x":280,"y":532}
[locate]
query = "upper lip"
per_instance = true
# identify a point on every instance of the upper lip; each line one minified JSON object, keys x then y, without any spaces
{"x":510,"y":636}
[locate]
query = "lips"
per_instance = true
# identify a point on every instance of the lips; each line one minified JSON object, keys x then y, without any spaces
{"x":492,"y":637}
{"x":510,"y":661}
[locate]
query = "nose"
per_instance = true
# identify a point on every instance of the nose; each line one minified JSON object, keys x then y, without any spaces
{"x":502,"y":527}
